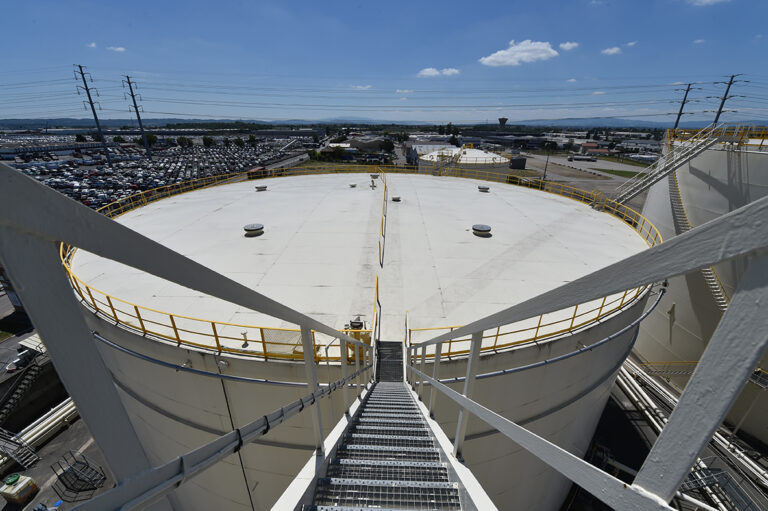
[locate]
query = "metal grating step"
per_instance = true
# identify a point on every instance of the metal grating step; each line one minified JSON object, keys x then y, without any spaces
{"x":387,"y":463}
{"x":387,"y":472}
{"x":383,"y":453}
{"x":384,"y":421}
{"x":394,"y":495}
{"x":390,"y":442}
{"x":392,"y":430}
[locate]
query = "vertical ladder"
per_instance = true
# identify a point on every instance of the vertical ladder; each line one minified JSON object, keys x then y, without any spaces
{"x":683,"y":224}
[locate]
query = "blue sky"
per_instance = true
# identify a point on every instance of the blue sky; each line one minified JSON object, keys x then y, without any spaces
{"x":430,"y":61}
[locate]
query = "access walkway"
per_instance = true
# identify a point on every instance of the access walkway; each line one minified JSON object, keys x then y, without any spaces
{"x":388,"y":458}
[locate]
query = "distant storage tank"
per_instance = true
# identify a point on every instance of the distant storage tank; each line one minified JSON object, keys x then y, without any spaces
{"x":462,"y":162}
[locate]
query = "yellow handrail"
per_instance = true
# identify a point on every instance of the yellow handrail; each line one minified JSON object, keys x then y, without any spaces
{"x":285,"y":343}
{"x":742,"y":135}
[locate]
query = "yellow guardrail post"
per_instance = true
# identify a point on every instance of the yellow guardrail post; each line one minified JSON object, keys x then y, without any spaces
{"x":573,"y":318}
{"x":263,"y":344}
{"x":175,"y":330}
{"x":536,"y":335}
{"x":112,"y":308}
{"x":602,"y":304}
{"x":93,"y":301}
{"x":141,"y":321}
{"x":216,"y":336}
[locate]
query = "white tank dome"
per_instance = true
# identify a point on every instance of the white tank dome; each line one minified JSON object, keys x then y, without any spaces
{"x":465,"y":155}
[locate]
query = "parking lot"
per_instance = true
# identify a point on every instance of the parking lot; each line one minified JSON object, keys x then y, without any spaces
{"x":86,"y":177}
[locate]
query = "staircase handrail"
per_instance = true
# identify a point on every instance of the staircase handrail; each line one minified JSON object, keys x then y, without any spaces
{"x":667,"y":163}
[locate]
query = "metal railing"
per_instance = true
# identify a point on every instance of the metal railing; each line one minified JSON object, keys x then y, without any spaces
{"x":285,"y":343}
{"x":751,"y":137}
{"x":383,"y":223}
{"x":256,"y":341}
{"x":540,"y":329}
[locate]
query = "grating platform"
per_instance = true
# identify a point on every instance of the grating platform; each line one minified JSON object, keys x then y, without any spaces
{"x":388,"y":458}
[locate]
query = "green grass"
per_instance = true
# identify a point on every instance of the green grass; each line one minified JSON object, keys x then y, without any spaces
{"x":625,"y":161}
{"x":622,"y":173}
{"x":4,"y":335}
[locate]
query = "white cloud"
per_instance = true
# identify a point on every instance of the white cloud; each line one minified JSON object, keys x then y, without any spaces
{"x":699,"y":41}
{"x":361,"y":87}
{"x":92,"y":45}
{"x":429,"y":72}
{"x":568,"y":46}
{"x":118,"y":49}
{"x":598,"y":93}
{"x":614,"y":50}
{"x":404,"y":91}
{"x":702,"y":3}
{"x":518,"y":53}
{"x":571,"y":80}
{"x":632,"y":43}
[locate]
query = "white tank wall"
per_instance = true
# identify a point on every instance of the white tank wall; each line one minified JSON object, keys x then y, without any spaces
{"x":712,"y":184}
{"x":174,"y":412}
{"x":561,"y":401}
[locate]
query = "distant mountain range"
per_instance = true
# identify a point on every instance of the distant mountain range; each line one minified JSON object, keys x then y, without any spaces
{"x":587,"y":122}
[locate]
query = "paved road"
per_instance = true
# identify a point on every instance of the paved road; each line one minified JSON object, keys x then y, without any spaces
{"x":599,"y":164}
{"x":562,"y":170}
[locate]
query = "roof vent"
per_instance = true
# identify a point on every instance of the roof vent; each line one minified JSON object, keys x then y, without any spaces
{"x":396,"y":198}
{"x":481,"y":230}
{"x":352,"y":185}
{"x":261,"y":188}
{"x":483,"y":188}
{"x":253,"y":230}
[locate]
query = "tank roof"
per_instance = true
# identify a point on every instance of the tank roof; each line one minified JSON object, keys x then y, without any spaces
{"x":319,"y":250}
{"x":465,"y":155}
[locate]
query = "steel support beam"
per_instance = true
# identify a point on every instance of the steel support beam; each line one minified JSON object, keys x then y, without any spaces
{"x":311,"y":371}
{"x":611,"y":491}
{"x":48,"y":299}
{"x":731,"y":355}
{"x":469,"y":385}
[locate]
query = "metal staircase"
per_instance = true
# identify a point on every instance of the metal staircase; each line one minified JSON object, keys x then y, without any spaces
{"x":17,"y":449}
{"x":23,"y":382}
{"x":388,"y":458}
{"x":676,"y":157}
{"x":683,"y":224}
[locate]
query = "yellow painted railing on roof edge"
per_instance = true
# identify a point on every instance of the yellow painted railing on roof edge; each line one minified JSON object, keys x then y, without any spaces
{"x":285,"y":344}
{"x":751,"y":137}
